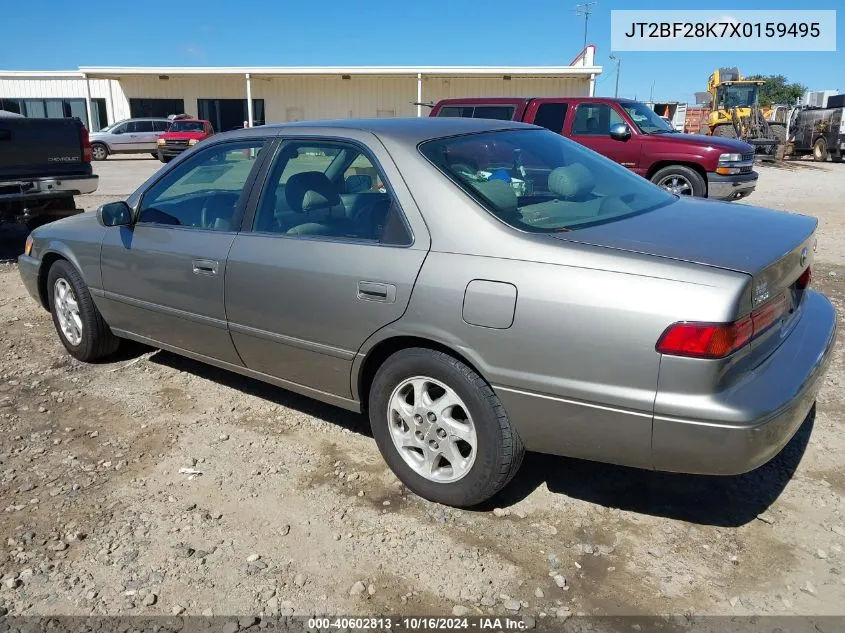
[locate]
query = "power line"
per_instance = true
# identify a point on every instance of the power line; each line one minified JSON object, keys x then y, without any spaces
{"x":585,"y":9}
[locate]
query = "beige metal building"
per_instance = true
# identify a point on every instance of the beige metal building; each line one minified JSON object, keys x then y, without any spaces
{"x":231,"y":97}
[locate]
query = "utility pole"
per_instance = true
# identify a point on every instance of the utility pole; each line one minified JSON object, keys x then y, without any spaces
{"x":618,"y":66}
{"x":585,"y":9}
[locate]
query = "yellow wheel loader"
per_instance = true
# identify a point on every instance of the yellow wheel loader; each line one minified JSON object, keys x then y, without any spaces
{"x":736,"y":113}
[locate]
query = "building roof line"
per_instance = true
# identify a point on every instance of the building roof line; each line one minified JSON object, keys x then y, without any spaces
{"x":340,"y":70}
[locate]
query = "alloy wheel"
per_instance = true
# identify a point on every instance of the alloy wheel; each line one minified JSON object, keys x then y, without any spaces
{"x":67,"y":311}
{"x":677,"y":185}
{"x":432,"y":429}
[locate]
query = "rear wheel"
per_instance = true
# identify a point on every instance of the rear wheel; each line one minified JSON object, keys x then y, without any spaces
{"x":79,"y":323}
{"x":99,"y":151}
{"x":442,"y":429}
{"x":163,"y":158}
{"x":680,"y":180}
{"x":820,"y":150}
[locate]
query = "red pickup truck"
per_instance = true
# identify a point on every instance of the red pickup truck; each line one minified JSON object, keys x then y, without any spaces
{"x":633,"y":135}
{"x":181,"y":135}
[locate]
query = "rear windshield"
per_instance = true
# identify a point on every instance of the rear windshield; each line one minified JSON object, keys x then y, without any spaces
{"x":186,"y":126}
{"x":538,"y":181}
{"x":498,"y":112}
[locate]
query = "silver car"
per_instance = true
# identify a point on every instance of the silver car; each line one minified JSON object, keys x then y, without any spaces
{"x":479,"y":288}
{"x":130,"y":136}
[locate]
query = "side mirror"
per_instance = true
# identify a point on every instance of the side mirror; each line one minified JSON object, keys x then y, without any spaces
{"x":115,"y":214}
{"x":620,"y":132}
{"x":358,"y":183}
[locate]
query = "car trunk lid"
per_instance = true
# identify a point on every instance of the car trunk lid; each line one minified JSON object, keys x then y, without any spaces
{"x":775,"y":248}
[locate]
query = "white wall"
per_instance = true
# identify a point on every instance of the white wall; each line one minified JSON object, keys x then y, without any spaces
{"x":295,"y":97}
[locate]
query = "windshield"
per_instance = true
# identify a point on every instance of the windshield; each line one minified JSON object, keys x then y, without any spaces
{"x":538,"y":181}
{"x":737,"y":96}
{"x":109,"y":128}
{"x":646,"y":119}
{"x":186,"y":126}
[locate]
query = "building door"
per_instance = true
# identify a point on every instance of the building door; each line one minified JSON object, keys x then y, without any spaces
{"x":230,"y":114}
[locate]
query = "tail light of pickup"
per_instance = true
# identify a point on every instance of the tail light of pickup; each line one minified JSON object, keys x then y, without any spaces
{"x":87,"y":154}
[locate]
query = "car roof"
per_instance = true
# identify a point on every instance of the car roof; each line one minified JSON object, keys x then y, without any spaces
{"x":408,"y":130}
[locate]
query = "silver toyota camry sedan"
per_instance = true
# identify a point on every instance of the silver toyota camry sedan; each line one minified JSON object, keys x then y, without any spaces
{"x":478,"y":288}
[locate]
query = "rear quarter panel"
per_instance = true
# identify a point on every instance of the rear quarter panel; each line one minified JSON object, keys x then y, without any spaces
{"x":577,"y":370}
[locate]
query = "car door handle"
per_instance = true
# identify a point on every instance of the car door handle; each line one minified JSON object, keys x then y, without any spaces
{"x":376,"y":291}
{"x":205,"y":266}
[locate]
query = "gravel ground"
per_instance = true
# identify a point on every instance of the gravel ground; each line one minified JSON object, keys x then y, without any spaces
{"x":292,"y":511}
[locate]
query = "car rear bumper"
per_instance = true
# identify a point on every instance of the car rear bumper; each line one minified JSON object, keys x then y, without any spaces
{"x":731,"y":187}
{"x":24,"y":188}
{"x":28,"y":267}
{"x":753,"y":420}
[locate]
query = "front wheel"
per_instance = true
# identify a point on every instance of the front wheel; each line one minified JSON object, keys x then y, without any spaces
{"x":680,"y":180}
{"x":79,"y":323}
{"x":442,"y":429}
{"x":163,"y":158}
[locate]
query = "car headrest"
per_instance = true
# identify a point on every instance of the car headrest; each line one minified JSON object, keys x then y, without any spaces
{"x":311,"y":191}
{"x":500,"y":193}
{"x":572,"y":181}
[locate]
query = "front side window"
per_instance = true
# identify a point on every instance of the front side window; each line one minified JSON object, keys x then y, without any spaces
{"x":595,"y":119}
{"x":538,"y":181}
{"x":203,"y":191}
{"x":329,"y":189}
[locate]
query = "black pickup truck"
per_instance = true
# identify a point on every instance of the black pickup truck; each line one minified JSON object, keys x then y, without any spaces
{"x":44,"y":163}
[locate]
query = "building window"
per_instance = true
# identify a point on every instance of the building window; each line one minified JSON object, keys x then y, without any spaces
{"x":59,"y":109}
{"x":155,"y":108}
{"x":230,"y":114}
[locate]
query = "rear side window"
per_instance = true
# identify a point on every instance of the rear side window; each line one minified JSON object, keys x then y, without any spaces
{"x":551,"y":116}
{"x":498,"y":112}
{"x":330,"y":190}
{"x":161,"y":126}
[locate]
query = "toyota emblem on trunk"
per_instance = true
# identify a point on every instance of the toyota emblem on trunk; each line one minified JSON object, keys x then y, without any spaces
{"x":803,"y":257}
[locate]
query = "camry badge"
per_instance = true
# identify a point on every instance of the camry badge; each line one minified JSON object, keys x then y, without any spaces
{"x":803,"y":257}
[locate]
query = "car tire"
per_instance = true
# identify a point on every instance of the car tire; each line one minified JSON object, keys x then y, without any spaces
{"x":99,"y":151}
{"x":475,"y":416}
{"x":820,"y":150}
{"x":80,"y":326}
{"x":725,"y":130}
{"x":680,"y":180}
{"x":154,"y":154}
{"x":837,"y":158}
{"x":163,"y":158}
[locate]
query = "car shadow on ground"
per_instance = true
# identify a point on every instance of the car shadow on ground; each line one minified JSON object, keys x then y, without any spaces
{"x":707,"y":500}
{"x":334,"y":415}
{"x":718,"y":501}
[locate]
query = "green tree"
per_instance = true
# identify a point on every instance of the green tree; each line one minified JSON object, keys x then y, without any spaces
{"x":777,"y":89}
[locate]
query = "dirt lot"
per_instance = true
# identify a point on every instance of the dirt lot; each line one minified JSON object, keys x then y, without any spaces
{"x":295,"y":512}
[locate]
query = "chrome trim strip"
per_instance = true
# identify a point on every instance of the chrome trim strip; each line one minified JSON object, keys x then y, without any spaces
{"x":583,"y":403}
{"x":155,"y":307}
{"x":310,"y":346}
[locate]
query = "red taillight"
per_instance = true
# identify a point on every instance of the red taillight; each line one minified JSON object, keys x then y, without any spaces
{"x":87,"y":155}
{"x":717,"y":340}
{"x":805,"y":279}
{"x":705,"y":340}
